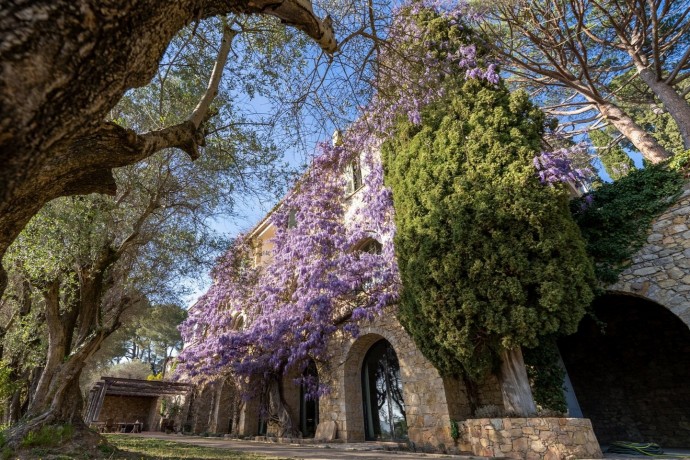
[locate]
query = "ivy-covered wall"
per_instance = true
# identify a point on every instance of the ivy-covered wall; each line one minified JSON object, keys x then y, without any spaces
{"x":660,"y":270}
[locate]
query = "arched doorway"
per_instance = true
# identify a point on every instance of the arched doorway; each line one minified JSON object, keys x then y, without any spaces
{"x":630,"y":369}
{"x":384,"y":408}
{"x":308,"y":404}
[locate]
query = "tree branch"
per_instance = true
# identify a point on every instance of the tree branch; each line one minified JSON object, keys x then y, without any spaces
{"x":201,"y":110}
{"x":62,"y":75}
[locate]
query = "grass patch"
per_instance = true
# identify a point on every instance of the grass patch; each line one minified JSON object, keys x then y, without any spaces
{"x":130,"y":447}
{"x":49,"y":436}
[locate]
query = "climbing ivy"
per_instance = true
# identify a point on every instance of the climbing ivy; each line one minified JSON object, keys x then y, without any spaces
{"x":614,"y":219}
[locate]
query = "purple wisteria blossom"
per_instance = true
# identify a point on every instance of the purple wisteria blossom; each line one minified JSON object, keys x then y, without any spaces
{"x":558,"y":166}
{"x":314,"y":284}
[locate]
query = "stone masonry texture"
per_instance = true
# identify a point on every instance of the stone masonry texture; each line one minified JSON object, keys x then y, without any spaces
{"x":660,"y":271}
{"x":658,"y":275}
{"x":531,"y":438}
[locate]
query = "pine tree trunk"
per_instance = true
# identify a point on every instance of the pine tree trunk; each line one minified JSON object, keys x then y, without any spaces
{"x":674,"y":103}
{"x":515,"y":388}
{"x":650,"y":149}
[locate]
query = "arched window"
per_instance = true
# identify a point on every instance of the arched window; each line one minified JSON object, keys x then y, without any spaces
{"x":237,"y":322}
{"x":369,"y":245}
{"x":309,"y":406}
{"x":384,"y":408}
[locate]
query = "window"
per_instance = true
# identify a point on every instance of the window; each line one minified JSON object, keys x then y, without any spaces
{"x":309,"y":407}
{"x":354,"y":177}
{"x":237,"y":321}
{"x":258,"y":246}
{"x":370,"y":246}
{"x":382,"y":393}
{"x":292,"y":218}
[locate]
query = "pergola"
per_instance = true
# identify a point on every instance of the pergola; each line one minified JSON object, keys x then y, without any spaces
{"x":114,"y":386}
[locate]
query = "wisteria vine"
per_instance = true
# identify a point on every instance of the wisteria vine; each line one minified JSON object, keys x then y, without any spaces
{"x":559,"y":166}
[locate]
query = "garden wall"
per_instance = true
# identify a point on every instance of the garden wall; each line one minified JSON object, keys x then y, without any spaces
{"x":530,"y":438}
{"x":660,"y":271}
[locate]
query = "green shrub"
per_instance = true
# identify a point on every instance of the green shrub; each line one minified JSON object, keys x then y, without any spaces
{"x":489,"y":258}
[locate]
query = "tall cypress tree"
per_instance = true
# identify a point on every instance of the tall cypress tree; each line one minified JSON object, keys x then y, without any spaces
{"x":490,"y":258}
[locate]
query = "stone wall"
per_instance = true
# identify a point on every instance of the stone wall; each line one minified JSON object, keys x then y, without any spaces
{"x":129,"y":409}
{"x":224,"y":405}
{"x":430,"y":400}
{"x":531,"y":438}
{"x":425,"y":394}
{"x":648,"y":398}
{"x":660,"y":271}
{"x":291,"y":395}
{"x":199,"y":417}
{"x":215,"y":408}
{"x":249,"y":418}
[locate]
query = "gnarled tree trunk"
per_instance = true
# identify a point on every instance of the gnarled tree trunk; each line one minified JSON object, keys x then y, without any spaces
{"x":280,"y":422}
{"x":65,"y":408}
{"x":75,"y":332}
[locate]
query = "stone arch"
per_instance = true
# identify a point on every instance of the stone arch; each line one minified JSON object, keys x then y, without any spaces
{"x":370,"y":243}
{"x":424,"y":392}
{"x":382,"y":391}
{"x":660,"y":270}
{"x":352,"y":388}
{"x":631,"y":379}
{"x":654,"y":300}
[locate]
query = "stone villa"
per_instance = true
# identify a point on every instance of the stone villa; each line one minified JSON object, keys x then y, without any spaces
{"x":631,"y":382}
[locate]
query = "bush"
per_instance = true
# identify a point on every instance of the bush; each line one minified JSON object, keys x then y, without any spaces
{"x":490,"y":259}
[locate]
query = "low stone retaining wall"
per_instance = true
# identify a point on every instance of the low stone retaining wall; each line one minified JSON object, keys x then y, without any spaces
{"x":530,"y":438}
